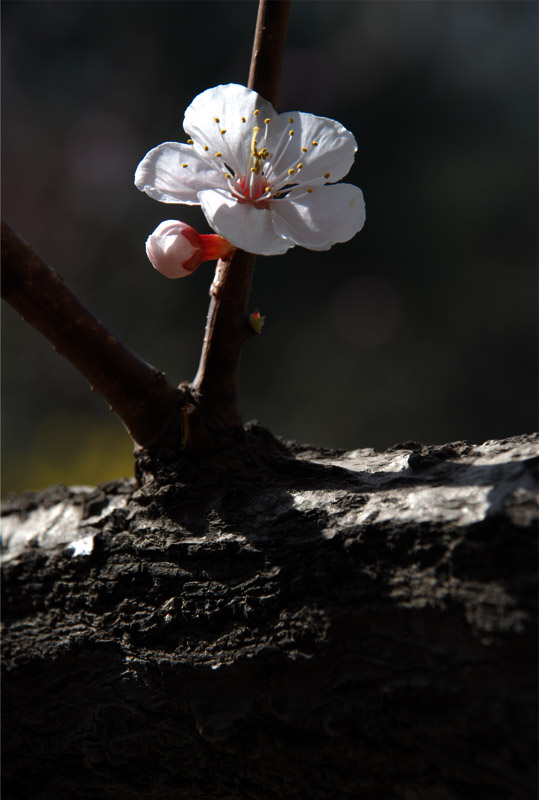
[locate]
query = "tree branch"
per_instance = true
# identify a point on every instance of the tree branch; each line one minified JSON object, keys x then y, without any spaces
{"x":139,"y":394}
{"x":268,"y":47}
{"x":227,"y":327}
{"x":227,"y":330}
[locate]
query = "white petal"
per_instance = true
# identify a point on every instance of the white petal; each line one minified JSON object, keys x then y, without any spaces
{"x":244,"y":226}
{"x":307,"y":149}
{"x":161,"y":175}
{"x":230,"y":104}
{"x":328,"y":215}
{"x":334,"y":152}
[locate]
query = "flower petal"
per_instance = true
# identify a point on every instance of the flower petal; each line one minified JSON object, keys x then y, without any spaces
{"x":331,"y":148}
{"x":320,"y":219}
{"x":242,"y":224}
{"x":229,"y":108}
{"x":161,"y":174}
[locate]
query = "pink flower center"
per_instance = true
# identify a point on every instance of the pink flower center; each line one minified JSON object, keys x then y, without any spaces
{"x":252,"y":189}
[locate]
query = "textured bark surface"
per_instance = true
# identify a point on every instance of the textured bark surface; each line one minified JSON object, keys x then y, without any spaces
{"x":303,"y":624}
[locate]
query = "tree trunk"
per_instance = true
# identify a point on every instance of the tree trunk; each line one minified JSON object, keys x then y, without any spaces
{"x":277,"y":622}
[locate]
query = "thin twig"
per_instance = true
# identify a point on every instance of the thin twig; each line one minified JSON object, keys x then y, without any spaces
{"x":268,"y":48}
{"x":140,"y":395}
{"x":227,"y":330}
{"x":227,"y":327}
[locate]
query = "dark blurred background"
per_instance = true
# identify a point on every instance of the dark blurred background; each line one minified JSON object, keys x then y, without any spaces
{"x":423,"y":327}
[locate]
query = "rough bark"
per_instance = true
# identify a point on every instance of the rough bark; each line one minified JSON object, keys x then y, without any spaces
{"x":299,"y":623}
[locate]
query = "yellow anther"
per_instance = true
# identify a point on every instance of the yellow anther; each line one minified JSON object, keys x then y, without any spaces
{"x":184,"y":165}
{"x":303,"y":149}
{"x":291,"y":171}
{"x":290,"y":133}
{"x":206,"y":148}
{"x":243,"y":119}
{"x":268,"y":189}
{"x":228,"y":175}
{"x":267,"y":121}
{"x":326,"y":174}
{"x":253,"y":169}
{"x":291,"y":120}
{"x":256,"y":112}
{"x":277,"y":194}
{"x":309,"y":190}
{"x":299,"y":166}
{"x":190,"y":141}
{"x":218,"y":155}
{"x":217,"y":119}
{"x":223,"y":131}
{"x":314,"y":144}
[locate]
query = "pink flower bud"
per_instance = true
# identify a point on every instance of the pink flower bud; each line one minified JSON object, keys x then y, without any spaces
{"x":176,"y":250}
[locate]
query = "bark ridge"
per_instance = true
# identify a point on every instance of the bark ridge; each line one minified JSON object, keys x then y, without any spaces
{"x":304,"y":624}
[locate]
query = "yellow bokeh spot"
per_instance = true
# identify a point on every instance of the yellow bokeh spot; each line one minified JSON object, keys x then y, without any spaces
{"x":72,"y":449}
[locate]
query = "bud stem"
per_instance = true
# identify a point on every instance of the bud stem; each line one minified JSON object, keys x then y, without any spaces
{"x":215,"y":247}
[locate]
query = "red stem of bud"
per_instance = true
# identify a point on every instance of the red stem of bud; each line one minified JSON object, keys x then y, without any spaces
{"x":214,"y":247}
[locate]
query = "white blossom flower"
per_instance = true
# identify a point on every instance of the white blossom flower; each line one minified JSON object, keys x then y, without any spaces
{"x":265,"y":181}
{"x":176,"y":250}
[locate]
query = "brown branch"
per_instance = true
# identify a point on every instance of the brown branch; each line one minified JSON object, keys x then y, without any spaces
{"x":268,"y":47}
{"x":227,"y":327}
{"x":140,"y":395}
{"x":227,"y":330}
